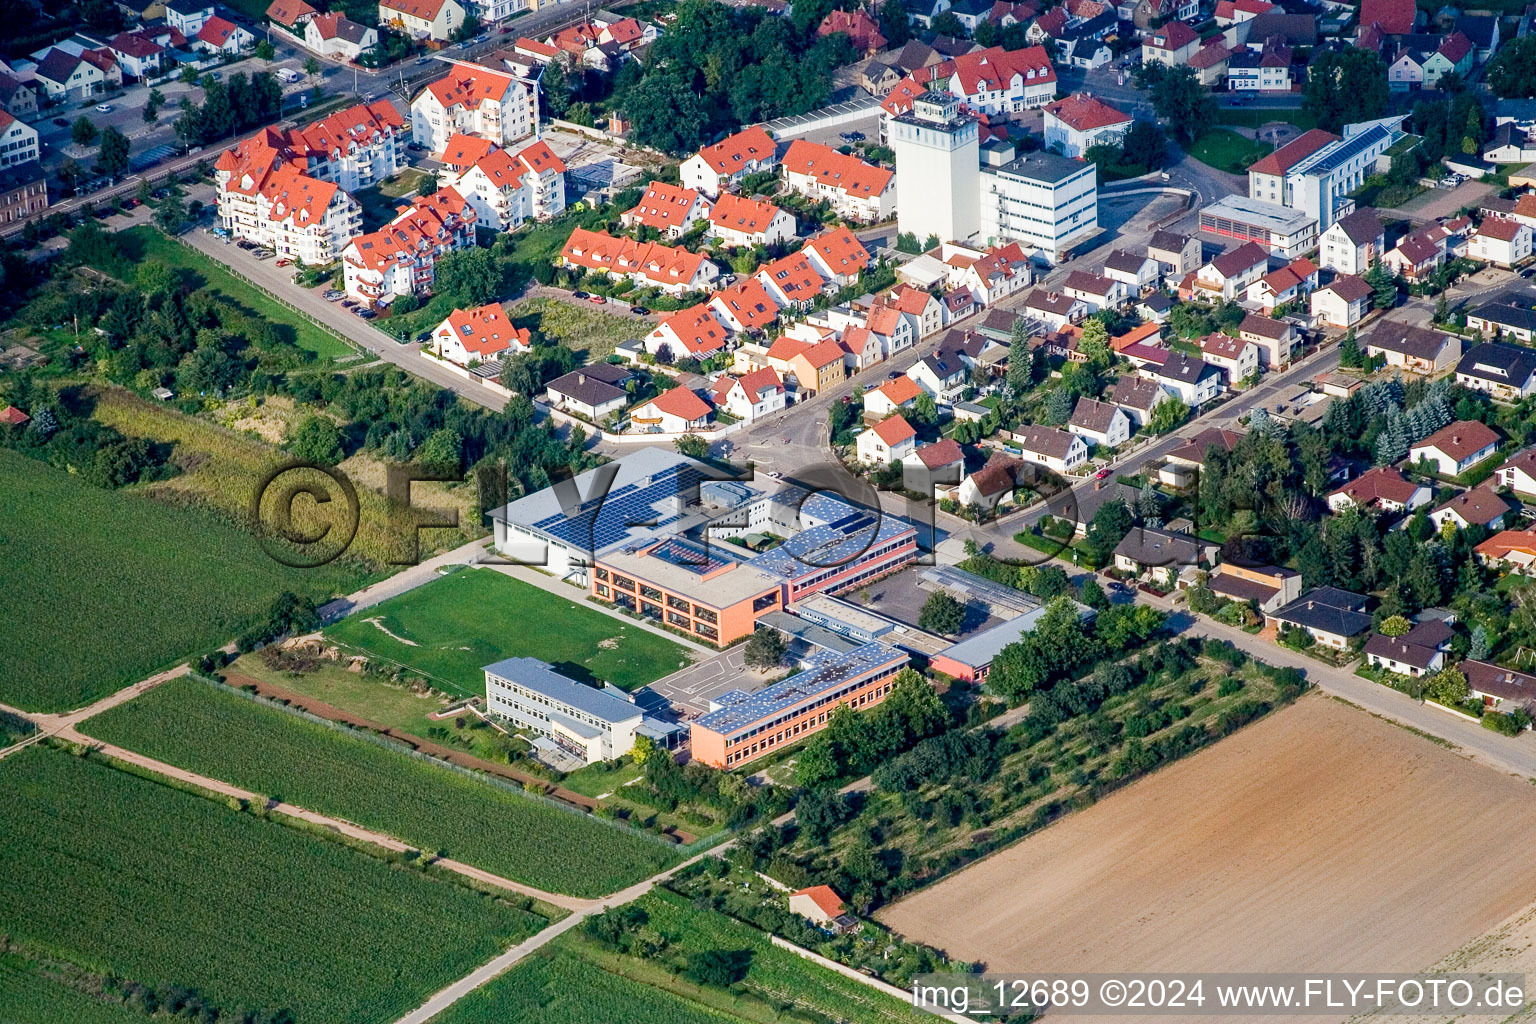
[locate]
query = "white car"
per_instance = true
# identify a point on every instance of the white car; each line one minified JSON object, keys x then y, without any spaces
{"x":104,"y":108}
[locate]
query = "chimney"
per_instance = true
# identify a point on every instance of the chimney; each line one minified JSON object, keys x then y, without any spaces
{"x":581,"y":378}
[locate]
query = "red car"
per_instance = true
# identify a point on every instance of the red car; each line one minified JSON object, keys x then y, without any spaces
{"x":283,"y":263}
{"x":1101,"y":474}
{"x":597,"y":300}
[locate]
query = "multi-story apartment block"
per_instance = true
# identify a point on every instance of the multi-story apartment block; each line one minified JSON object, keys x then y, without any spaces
{"x":472,"y":100}
{"x":399,"y":258}
{"x":855,"y":189}
{"x":267,"y":198}
{"x":1040,"y":200}
{"x":18,"y":141}
{"x":354,"y":148}
{"x":508,"y":188}
{"x":991,"y":82}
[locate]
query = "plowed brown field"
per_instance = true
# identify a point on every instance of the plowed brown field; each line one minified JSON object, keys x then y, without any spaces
{"x":1318,"y":839}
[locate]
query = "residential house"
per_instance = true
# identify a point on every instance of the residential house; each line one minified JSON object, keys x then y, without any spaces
{"x":1343,"y":302}
{"x":1277,"y":339}
{"x":1138,"y":397}
{"x":992,"y":484}
{"x":1456,"y":448}
{"x":836,"y":254}
{"x":1229,"y":275}
{"x":137,"y":54}
{"x":506,"y":189}
{"x":693,"y":332}
{"x":895,"y":330}
{"x":1504,"y":319}
{"x":473,"y":100}
{"x":745,"y":306}
{"x":1054,"y":449}
{"x":336,"y":35}
{"x":1102,"y":423}
{"x":1080,"y":121}
{"x":1500,"y":689}
{"x":818,"y":367}
{"x":1393,"y":17}
{"x":856,"y":190}
{"x":1480,"y":506}
{"x":1415,"y":349}
{"x":1234,"y":12}
{"x":925,"y":309}
{"x":1518,"y":472}
{"x":1482,"y":30}
{"x":862,"y":30}
{"x":748,"y":222}
{"x":479,"y":335}
{"x":436,"y":20}
{"x":1500,"y":242}
{"x":1174,"y":43}
{"x":68,"y":78}
{"x":1176,"y":254}
{"x":793,"y":280}
{"x":1264,"y":69}
{"x":1290,"y":283}
{"x":752,"y":395}
{"x":991,"y":275}
{"x":1054,"y":309}
{"x":1193,"y":453}
{"x":820,"y":904}
{"x":23,"y":191}
{"x":17,"y":98}
{"x":678,"y":411}
{"x":291,"y":14}
{"x":1511,"y":550}
{"x":1332,"y":617}
{"x":1416,"y":256}
{"x":1418,"y":652}
{"x":1157,"y":555}
{"x":1093,"y":291}
{"x":675,"y":271}
{"x":991,"y":82}
{"x":722,"y":165}
{"x":1383,"y":487}
{"x":1211,"y":62}
{"x":1239,"y":359}
{"x":222,"y":36}
{"x":18,"y":141}
{"x":900,"y":392}
{"x":1134,"y":271}
{"x":1510,"y":144}
{"x":1192,"y":380}
{"x":1352,"y":243}
{"x":1507,"y":372}
{"x":942,"y":374}
{"x":667,"y":208}
{"x":1267,"y":587}
{"x":1156,"y":307}
{"x":878,"y":78}
{"x":888,"y":441}
{"x":188,"y":16}
{"x":593,"y":392}
{"x":399,"y":258}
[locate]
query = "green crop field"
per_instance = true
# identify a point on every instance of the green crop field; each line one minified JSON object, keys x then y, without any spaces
{"x":144,"y":242}
{"x":558,"y":985}
{"x":225,"y":736}
{"x":104,"y":587}
{"x":122,"y":875}
{"x":28,"y":996}
{"x":451,"y":628}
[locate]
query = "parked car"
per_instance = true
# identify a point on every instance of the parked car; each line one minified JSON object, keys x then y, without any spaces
{"x":580,"y":295}
{"x":639,"y":311}
{"x":331,"y":295}
{"x":597,"y":300}
{"x":852,"y":136}
{"x":348,"y":303}
{"x":61,"y":122}
{"x":284,"y":262}
{"x":1101,"y":474}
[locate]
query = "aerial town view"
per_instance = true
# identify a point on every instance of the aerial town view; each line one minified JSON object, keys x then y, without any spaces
{"x":767,"y":511}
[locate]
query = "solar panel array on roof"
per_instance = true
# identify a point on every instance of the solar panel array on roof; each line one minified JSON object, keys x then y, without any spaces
{"x":1349,"y":148}
{"x":605,"y":520}
{"x":825,"y":670}
{"x":695,"y":557}
{"x":832,"y":544}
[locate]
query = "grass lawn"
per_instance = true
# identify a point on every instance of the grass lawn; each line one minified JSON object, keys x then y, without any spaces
{"x":105,"y":587}
{"x":227,"y":736}
{"x":1226,"y":150}
{"x":586,"y":330}
{"x":166,"y":887}
{"x":403,"y":184}
{"x":451,"y":628}
{"x":143,"y":241}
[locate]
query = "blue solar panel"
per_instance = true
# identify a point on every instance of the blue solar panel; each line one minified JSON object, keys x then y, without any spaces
{"x":600,"y":522}
{"x":1350,"y":148}
{"x":824,"y":671}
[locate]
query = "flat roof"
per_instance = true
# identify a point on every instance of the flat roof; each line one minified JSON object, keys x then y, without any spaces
{"x":809,"y":632}
{"x":539,"y":677}
{"x":978,"y":651}
{"x":968,"y":586}
{"x":824,"y":671}
{"x":1050,"y":168}
{"x":842,"y":532}
{"x":679,"y":565}
{"x":1277,"y":219}
{"x":848,"y":614}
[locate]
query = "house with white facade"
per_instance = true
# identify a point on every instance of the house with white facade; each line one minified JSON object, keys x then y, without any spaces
{"x":752,"y":395}
{"x":748,"y":222}
{"x":592,"y":392}
{"x":1054,"y":449}
{"x":1229,"y":275}
{"x":1192,"y":380}
{"x":888,"y":441}
{"x":423,"y":19}
{"x":1457,"y":448}
{"x":898,"y":393}
{"x":335,"y":35}
{"x":507,"y":188}
{"x":1352,"y":243}
{"x":1054,"y":309}
{"x":474,"y":100}
{"x":856,"y":190}
{"x":1133,"y":270}
{"x":265,"y":198}
{"x":1343,"y":302}
{"x":1239,"y":359}
{"x":1414,"y":349}
{"x":1501,"y":242}
{"x":1506,"y":372}
{"x":1100,"y":423}
{"x":1094,"y":291}
{"x":675,"y":271}
{"x":355,"y":148}
{"x":668,"y":209}
{"x":1081,"y":121}
{"x":718,"y":167}
{"x":400,"y":258}
{"x":18,"y":141}
{"x":677,"y":411}
{"x":479,"y":335}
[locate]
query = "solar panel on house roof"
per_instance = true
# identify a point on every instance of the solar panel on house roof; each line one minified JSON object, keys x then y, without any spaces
{"x":824,"y":671}
{"x":1351,"y":147}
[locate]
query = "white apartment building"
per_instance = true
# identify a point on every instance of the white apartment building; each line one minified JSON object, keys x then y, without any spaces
{"x":1040,"y":200}
{"x":472,"y":100}
{"x":266,"y":199}
{"x":507,"y":189}
{"x":938,"y":158}
{"x":748,"y":222}
{"x":716,"y":168}
{"x":856,"y":190}
{"x":18,"y":141}
{"x":1352,"y":243}
{"x":422,"y":19}
{"x":583,"y":721}
{"x":399,"y":258}
{"x":1315,"y":174}
{"x":354,"y":148}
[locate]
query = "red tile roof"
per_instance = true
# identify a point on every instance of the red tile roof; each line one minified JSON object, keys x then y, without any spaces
{"x":664,"y":206}
{"x":697,"y":330}
{"x":894,"y":430}
{"x":848,"y":174}
{"x":468,"y":86}
{"x":840,"y":251}
{"x":941,"y":453}
{"x":426,"y":10}
{"x":1396,"y":17}
{"x":1173,"y":36}
{"x":1460,"y":440}
{"x":288,"y":12}
{"x":749,"y":216}
{"x":487,"y":330}
{"x":824,"y":898}
{"x":1380,"y":484}
{"x":732,"y":153}
{"x":900,"y":390}
{"x":748,"y":303}
{"x":682,"y":403}
{"x":1293,"y":152}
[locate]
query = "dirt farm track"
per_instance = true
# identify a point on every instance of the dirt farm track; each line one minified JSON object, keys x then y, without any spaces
{"x":1318,"y":839}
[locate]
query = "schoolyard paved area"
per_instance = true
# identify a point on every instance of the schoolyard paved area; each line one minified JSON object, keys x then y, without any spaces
{"x":690,"y":689}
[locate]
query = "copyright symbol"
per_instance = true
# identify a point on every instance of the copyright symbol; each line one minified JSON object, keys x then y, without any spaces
{"x":1112,"y":993}
{"x":296,"y":518}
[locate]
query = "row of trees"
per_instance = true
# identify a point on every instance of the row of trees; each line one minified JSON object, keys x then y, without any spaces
{"x":228,"y":107}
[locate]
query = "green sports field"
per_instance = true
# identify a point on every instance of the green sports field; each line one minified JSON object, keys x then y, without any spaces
{"x":104,"y":587}
{"x":125,"y":876}
{"x":227,"y":736}
{"x":451,"y":628}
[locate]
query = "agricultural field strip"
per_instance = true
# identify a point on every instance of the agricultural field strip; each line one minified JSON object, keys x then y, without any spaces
{"x":190,"y":726}
{"x":170,"y":887}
